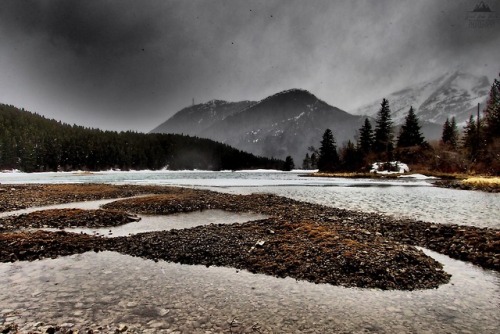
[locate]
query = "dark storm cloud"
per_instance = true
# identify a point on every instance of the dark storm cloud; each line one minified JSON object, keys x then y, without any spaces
{"x":87,"y":49}
{"x":131,"y":64}
{"x":96,"y":36}
{"x":83,"y":25}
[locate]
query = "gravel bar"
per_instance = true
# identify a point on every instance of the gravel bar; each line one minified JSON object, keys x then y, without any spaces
{"x":300,"y":240}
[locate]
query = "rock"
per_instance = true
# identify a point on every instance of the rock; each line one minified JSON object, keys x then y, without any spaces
{"x":122,"y":328}
{"x":162,"y":312}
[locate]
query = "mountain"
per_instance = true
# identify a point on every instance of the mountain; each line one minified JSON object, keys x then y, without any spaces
{"x":286,"y":123}
{"x":453,"y":94}
{"x":194,"y":119}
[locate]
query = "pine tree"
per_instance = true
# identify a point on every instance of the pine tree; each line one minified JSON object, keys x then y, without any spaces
{"x":306,"y":163}
{"x":314,"y":156}
{"x":351,"y":158}
{"x":383,"y":131}
{"x":454,"y":133}
{"x":470,"y":140}
{"x":449,"y":136}
{"x":492,"y":112}
{"x":328,"y":160}
{"x":289,"y":164}
{"x":410,"y":134}
{"x":314,"y":160}
{"x":365,"y":142}
{"x":446,"y":134}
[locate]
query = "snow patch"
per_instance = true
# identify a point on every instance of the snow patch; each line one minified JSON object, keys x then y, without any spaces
{"x":392,"y":167}
{"x":11,"y":171}
{"x":418,"y":177}
{"x":297,"y":117}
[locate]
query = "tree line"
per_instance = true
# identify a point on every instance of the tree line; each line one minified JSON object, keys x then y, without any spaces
{"x":476,"y":149}
{"x":32,"y":143}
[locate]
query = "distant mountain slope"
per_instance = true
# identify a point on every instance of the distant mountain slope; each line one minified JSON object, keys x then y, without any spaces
{"x":286,"y":123}
{"x":454,"y":94}
{"x":194,"y":119}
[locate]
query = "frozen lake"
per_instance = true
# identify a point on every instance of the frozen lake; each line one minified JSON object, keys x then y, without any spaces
{"x":405,"y":197}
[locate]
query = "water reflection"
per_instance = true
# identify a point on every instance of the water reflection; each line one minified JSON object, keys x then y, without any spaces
{"x":88,"y":205}
{"x":109,"y":288}
{"x":164,"y":223}
{"x":445,"y":206}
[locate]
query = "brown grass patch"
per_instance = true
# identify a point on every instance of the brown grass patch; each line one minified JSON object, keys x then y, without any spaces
{"x":482,"y":182}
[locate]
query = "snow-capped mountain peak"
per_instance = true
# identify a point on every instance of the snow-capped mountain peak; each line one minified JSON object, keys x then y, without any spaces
{"x":454,"y":94}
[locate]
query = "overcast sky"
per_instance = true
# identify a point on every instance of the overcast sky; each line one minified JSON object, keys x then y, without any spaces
{"x":123,"y":65}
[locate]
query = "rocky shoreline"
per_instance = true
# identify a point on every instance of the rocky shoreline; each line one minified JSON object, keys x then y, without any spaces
{"x":480,"y":246}
{"x":299,"y":240}
{"x":61,"y":218}
{"x":17,"y":197}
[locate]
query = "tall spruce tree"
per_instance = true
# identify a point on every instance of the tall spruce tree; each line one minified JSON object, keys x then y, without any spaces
{"x":471,"y":140}
{"x":306,"y":163}
{"x":314,"y":160}
{"x":314,"y":156}
{"x":492,"y":112}
{"x":383,"y":132}
{"x":446,"y":133}
{"x":410,"y":134}
{"x":449,"y":136}
{"x":365,"y":141}
{"x":351,"y":157}
{"x":328,"y":160}
{"x":454,"y":133}
{"x":289,"y":164}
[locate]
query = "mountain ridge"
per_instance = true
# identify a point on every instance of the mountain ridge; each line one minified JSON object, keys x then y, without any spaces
{"x":189,"y":120}
{"x":454,"y":94}
{"x":290,"y":121}
{"x":285,"y":123}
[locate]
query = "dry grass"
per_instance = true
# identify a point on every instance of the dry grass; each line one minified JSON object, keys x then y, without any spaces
{"x":440,"y":175}
{"x":482,"y":182}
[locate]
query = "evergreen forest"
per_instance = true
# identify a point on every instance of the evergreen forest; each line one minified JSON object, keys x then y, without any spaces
{"x":474,"y":149}
{"x":32,"y":143}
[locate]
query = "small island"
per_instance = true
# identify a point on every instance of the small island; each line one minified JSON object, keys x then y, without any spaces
{"x":299,"y":240}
